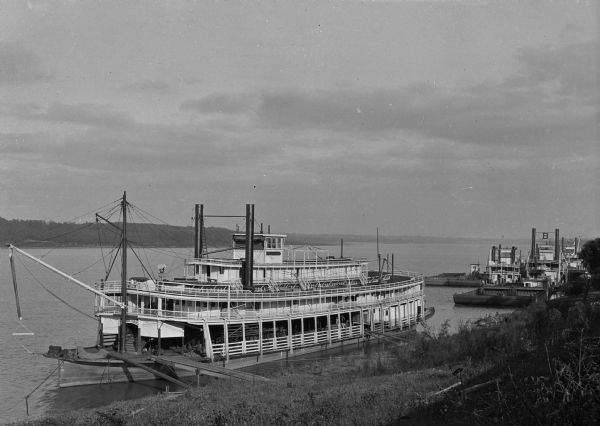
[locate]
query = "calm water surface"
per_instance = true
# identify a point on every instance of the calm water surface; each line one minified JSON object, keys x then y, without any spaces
{"x":68,"y":323}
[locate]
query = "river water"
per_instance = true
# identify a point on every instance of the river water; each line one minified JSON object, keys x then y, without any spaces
{"x":57,"y":312}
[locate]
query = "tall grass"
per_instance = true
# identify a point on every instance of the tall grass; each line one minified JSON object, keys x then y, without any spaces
{"x":545,"y":368}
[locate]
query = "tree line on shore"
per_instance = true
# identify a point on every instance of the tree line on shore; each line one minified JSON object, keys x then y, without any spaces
{"x":68,"y":234}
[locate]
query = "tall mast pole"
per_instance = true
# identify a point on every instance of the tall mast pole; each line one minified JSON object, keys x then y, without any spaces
{"x":378,"y":257}
{"x":251,"y":275}
{"x":14,"y":278}
{"x":124,"y":275}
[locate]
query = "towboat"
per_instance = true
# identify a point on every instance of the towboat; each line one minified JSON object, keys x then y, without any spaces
{"x":513,"y":282}
{"x":261,"y":301}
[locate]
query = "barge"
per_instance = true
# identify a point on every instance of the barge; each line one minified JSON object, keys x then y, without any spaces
{"x":473,"y":278}
{"x":500,"y":296}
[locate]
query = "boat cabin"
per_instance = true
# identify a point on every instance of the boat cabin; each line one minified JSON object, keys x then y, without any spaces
{"x":267,"y":248}
{"x":275,"y":266}
{"x":503,"y":266}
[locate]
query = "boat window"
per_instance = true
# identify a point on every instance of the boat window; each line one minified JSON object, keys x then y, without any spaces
{"x":239,"y":241}
{"x":273,"y":243}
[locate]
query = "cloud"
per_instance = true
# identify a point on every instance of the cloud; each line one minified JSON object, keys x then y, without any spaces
{"x":148,"y":149}
{"x":369,"y":133}
{"x":149,"y":86}
{"x":553,"y":97}
{"x":573,"y":67}
{"x":18,"y":65}
{"x":87,"y":114}
{"x":222,"y":103}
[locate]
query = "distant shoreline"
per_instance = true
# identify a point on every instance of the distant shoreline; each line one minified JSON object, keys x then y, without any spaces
{"x":290,"y":242}
{"x":37,"y":233}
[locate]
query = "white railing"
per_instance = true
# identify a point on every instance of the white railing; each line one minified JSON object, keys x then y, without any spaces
{"x":246,"y":296}
{"x":282,"y":343}
{"x":265,"y":313}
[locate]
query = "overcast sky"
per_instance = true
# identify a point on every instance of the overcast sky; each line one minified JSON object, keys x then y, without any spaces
{"x":443,"y":118}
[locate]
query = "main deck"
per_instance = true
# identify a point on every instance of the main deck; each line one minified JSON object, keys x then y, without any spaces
{"x":221,"y":322}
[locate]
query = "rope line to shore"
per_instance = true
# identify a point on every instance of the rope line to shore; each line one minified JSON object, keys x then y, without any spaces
{"x":60,"y":363}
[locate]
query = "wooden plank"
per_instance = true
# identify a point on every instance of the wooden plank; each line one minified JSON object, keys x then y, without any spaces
{"x":164,"y":376}
{"x":207,"y":368}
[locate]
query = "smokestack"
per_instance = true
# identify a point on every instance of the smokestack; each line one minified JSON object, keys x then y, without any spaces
{"x":198,"y":230}
{"x":556,"y":245}
{"x":248,"y":266}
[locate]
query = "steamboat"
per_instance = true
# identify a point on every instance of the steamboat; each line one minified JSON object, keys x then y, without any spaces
{"x":263,"y":301}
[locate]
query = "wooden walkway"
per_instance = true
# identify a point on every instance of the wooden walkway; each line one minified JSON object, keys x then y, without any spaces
{"x":199,"y":368}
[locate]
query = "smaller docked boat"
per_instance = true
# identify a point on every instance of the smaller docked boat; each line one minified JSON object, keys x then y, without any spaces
{"x":543,"y":265}
{"x":503,"y":266}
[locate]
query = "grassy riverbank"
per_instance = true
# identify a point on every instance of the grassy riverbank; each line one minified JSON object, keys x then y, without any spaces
{"x":538,"y":366}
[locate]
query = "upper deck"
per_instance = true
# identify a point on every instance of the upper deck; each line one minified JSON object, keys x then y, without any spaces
{"x":275,"y":264}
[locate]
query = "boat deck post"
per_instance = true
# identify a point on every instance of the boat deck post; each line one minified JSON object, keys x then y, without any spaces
{"x":260,"y":337}
{"x":290,"y":342}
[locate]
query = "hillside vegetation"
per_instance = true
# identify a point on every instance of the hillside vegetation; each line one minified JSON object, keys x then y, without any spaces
{"x":535,"y":366}
{"x":43,"y":233}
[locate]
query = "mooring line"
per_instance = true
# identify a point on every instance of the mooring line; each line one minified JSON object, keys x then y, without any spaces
{"x":28,"y":351}
{"x":60,"y":363}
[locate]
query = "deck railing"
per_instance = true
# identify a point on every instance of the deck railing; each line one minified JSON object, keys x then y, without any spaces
{"x":264,"y":313}
{"x":214,"y":294}
{"x":285,"y":263}
{"x":282,"y":343}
